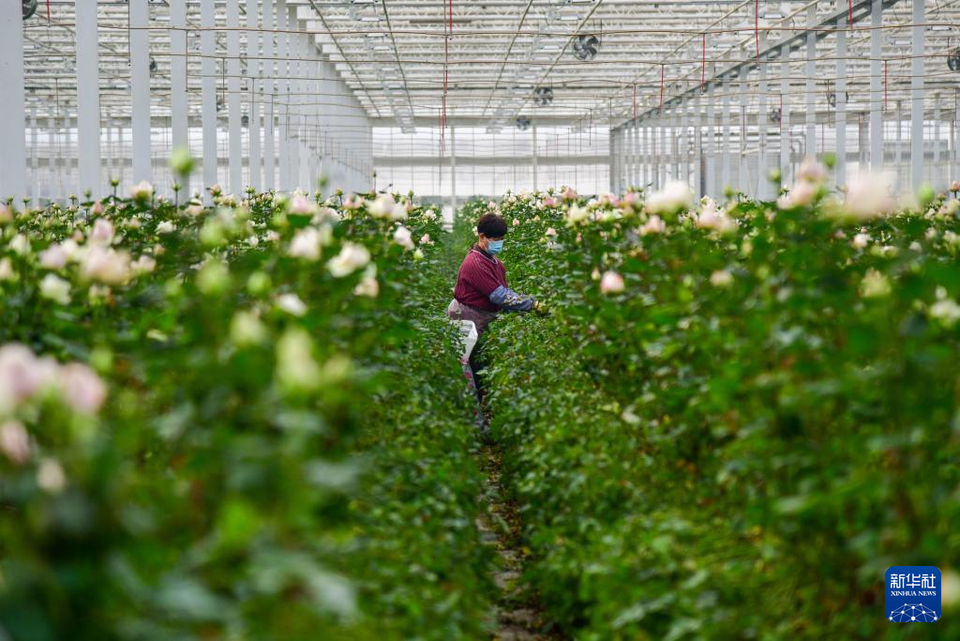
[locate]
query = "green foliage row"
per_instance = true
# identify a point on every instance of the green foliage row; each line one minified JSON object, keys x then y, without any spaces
{"x":733,"y":422}
{"x":284,"y":450}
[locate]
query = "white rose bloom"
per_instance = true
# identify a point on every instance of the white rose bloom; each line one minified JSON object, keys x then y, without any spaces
{"x":675,"y":196}
{"x":143,"y":265}
{"x":403,"y":237}
{"x":6,"y":269}
{"x":721,"y":278}
{"x":20,"y":244}
{"x":291,"y":304}
{"x":306,"y":244}
{"x":55,"y":289}
{"x":351,"y":258}
{"x":577,"y":214}
{"x":368,"y":286}
{"x":142,"y":191}
{"x":50,"y":476}
{"x":384,"y":206}
{"x":166,"y":227}
{"x":296,"y":368}
{"x":870,"y":195}
{"x":874,"y":284}
{"x":860,"y":240}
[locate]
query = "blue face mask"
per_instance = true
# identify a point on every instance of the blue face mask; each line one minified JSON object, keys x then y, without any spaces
{"x":495,"y":247}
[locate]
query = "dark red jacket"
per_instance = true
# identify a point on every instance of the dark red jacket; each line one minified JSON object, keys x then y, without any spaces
{"x":480,"y":274}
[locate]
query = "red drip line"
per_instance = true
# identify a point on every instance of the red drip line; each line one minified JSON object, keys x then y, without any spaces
{"x":850,"y":15}
{"x":661,"y":87}
{"x":703,"y":64}
{"x":48,"y":10}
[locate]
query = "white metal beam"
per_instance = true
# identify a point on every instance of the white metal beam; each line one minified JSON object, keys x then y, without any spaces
{"x":140,"y":88}
{"x":88,"y":98}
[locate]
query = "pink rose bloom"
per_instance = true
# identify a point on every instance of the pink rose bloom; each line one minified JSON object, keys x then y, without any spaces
{"x":302,"y":205}
{"x":22,"y":375}
{"x":352,"y":201}
{"x":82,"y":388}
{"x":550,"y":201}
{"x":15,"y":442}
{"x":608,"y":199}
{"x":550,"y":232}
{"x":54,"y":257}
{"x":569,"y":194}
{"x":102,"y":231}
{"x":611,"y":283}
{"x":96,"y":208}
{"x":630,"y":199}
{"x":106,"y":266}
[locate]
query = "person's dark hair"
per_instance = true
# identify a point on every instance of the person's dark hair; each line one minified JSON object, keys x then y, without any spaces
{"x":492,"y":226}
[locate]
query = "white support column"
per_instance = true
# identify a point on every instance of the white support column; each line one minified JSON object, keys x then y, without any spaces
{"x":876,"y":90}
{"x":88,"y":98}
{"x":937,"y":161}
{"x":34,"y":161}
{"x":283,"y":95}
{"x":656,"y":147}
{"x":306,"y":97}
{"x":709,"y":154}
{"x":675,"y":138}
{"x":916,"y":96}
{"x":742,"y":165}
{"x":635,"y":175}
{"x":645,"y":157}
{"x":178,"y":83}
{"x":725,"y":152}
{"x":269,"y":50}
{"x":235,"y":152}
{"x":140,"y":88}
{"x":664,"y":163}
{"x":293,"y":100}
{"x":899,"y":153}
{"x":840,"y":91}
{"x":956,"y":136}
{"x":612,"y":183}
{"x":13,"y":147}
{"x":763,"y":185}
{"x":698,"y":147}
{"x":453,"y":174}
{"x":785,"y":115}
{"x":208,"y":93}
{"x":536,"y":181}
{"x":254,"y":53}
{"x":810,"y":137}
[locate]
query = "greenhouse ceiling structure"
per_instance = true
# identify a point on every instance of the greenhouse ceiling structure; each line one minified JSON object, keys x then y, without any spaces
{"x":451,"y":98}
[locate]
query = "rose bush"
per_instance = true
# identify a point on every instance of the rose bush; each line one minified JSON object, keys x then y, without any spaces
{"x":737,"y":416}
{"x":239,"y":422}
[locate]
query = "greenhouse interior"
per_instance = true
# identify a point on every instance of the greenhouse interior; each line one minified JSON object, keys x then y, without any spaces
{"x":520,"y":320}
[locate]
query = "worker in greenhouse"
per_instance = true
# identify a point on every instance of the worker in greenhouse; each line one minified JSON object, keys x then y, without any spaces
{"x":482,"y":288}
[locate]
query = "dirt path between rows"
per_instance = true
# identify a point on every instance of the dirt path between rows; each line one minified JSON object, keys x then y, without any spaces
{"x":519,"y":617}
